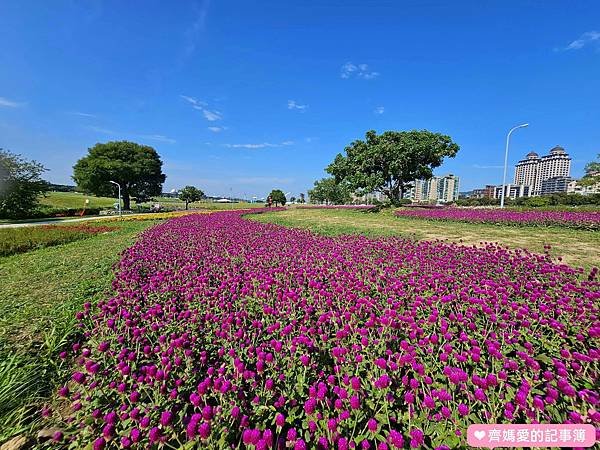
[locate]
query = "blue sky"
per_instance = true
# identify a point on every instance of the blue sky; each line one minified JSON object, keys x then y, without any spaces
{"x":241,"y":97}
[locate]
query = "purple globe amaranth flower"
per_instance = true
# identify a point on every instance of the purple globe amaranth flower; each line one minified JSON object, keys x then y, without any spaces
{"x":463,"y":409}
{"x":166,"y":418}
{"x":396,"y":439}
{"x":204,"y":430}
{"x":135,"y":435}
{"x":480,"y":395}
{"x":292,"y":435}
{"x":300,"y":445}
{"x":372,"y":425}
{"x":280,"y":420}
{"x":417,"y":438}
{"x":99,"y":444}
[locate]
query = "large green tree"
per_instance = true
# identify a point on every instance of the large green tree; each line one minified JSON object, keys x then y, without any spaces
{"x":277,"y":196}
{"x":190,"y":194}
{"x":391,"y":161}
{"x":20,"y":185}
{"x":137,"y":168}
{"x":329,"y":191}
{"x":592,"y":173}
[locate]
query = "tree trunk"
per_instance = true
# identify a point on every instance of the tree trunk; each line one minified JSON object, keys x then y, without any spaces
{"x":186,"y":205}
{"x":126,"y":201}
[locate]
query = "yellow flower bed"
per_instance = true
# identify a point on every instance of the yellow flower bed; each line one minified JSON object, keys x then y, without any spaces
{"x":155,"y":216}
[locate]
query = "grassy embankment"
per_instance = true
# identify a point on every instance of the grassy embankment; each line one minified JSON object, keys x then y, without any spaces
{"x":40,"y":293}
{"x":576,"y":247}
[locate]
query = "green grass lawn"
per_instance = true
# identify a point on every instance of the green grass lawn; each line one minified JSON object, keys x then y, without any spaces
{"x":75,"y":200}
{"x":40,"y":293}
{"x":576,"y":247}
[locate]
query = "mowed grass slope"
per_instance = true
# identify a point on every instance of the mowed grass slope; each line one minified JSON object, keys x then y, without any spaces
{"x":576,"y":247}
{"x":40,"y":293}
{"x":75,"y":200}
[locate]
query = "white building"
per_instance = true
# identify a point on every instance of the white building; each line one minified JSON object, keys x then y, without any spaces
{"x":513,"y":191}
{"x":435,"y":189}
{"x":575,"y":188}
{"x":533,"y":170}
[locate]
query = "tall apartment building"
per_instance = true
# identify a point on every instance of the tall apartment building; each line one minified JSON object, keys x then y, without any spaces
{"x":443,"y":189}
{"x":534,"y":170}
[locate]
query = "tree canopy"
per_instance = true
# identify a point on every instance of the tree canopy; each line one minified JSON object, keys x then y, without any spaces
{"x":20,"y":185}
{"x":391,"y":161}
{"x":190,"y":194}
{"x":277,"y":196}
{"x":329,"y":191}
{"x":592,"y":173}
{"x":137,"y":168}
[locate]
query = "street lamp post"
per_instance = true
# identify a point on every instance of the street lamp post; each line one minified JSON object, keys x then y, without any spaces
{"x":506,"y":161}
{"x":119,"y":186}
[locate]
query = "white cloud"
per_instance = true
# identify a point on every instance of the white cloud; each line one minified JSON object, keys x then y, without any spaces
{"x":212,"y":116}
{"x":292,"y":104}
{"x":153,"y":137}
{"x":196,"y":28}
{"x":10,"y":103}
{"x":81,"y":114}
{"x":586,"y":38}
{"x":379,"y":110}
{"x":360,"y":71}
{"x":158,"y":137}
{"x":217,"y":129}
{"x":348,"y":69}
{"x":261,"y":145}
{"x":209,"y":115}
{"x":477,"y":166}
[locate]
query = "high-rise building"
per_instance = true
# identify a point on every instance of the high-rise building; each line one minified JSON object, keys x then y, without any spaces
{"x":526,"y":170}
{"x":533,"y":170}
{"x":443,"y":189}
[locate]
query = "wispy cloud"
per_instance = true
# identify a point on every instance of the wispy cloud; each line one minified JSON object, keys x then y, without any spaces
{"x":153,"y":137}
{"x":477,"y":166}
{"x":10,"y":103}
{"x":210,"y":115}
{"x":260,"y":145}
{"x":292,"y":104}
{"x":197,"y":104}
{"x":82,"y":114}
{"x":192,"y":34}
{"x":217,"y":129}
{"x":379,"y":110}
{"x":362,"y":71}
{"x":587,"y":38}
{"x":158,"y":137}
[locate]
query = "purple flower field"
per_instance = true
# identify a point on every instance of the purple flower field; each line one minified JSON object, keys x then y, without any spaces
{"x":228,"y":333}
{"x":573,"y":219}
{"x":335,"y":207}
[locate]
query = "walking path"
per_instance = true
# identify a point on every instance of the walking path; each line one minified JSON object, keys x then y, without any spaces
{"x":59,"y":221}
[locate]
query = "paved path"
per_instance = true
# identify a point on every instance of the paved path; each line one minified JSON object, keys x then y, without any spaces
{"x":59,"y":221}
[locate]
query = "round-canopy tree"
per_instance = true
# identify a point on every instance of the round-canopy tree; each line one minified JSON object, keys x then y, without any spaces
{"x":277,"y":196}
{"x":327,"y":190}
{"x":20,"y":185}
{"x":190,"y":194}
{"x":391,"y":161}
{"x":137,"y":168}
